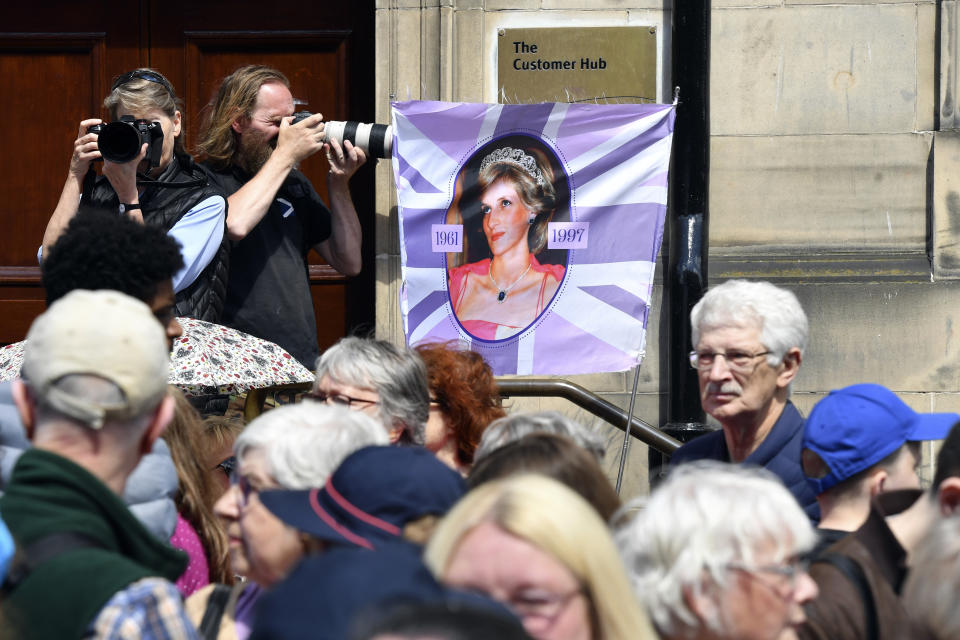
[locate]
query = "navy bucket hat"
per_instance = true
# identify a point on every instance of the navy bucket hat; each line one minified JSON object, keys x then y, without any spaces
{"x":371,"y":496}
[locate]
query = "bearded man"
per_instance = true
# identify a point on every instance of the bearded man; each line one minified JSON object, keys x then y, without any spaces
{"x":275,"y":215}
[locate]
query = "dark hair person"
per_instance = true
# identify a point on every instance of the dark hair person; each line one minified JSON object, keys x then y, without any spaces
{"x":498,"y":297}
{"x":101,"y":250}
{"x":464,"y":399}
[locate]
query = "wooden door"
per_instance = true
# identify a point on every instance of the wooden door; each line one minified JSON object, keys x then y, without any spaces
{"x":56,"y":64}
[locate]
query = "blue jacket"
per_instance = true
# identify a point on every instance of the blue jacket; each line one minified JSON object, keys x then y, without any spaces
{"x":779,"y":452}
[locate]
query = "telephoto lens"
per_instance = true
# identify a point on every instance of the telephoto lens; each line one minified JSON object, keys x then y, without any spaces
{"x":375,"y":139}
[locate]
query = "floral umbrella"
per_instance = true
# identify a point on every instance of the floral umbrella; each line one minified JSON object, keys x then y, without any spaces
{"x":207,"y":359}
{"x":211,"y":358}
{"x":11,"y":358}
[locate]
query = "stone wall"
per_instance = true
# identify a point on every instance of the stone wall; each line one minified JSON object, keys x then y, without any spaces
{"x":835,"y":171}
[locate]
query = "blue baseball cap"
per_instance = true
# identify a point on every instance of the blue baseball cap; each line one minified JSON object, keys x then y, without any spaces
{"x":371,"y":496}
{"x":856,"y":427}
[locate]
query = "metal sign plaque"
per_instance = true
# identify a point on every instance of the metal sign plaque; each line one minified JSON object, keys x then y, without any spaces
{"x":577,"y":64}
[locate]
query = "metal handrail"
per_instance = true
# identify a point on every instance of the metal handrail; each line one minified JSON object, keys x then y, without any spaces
{"x":528,"y":387}
{"x":585,"y":399}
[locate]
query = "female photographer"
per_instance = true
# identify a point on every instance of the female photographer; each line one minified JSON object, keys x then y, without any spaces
{"x":160,"y":186}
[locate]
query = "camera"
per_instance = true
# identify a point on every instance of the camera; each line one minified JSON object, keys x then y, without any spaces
{"x":374,"y":139}
{"x":120,"y":141}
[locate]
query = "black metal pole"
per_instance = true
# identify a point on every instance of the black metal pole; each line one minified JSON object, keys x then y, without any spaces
{"x":686,"y":276}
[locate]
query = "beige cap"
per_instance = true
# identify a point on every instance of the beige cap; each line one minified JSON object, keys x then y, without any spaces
{"x":102,"y":333}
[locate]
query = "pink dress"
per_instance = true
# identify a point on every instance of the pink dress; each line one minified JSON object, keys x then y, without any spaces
{"x":485,"y":329}
{"x":197,"y":573}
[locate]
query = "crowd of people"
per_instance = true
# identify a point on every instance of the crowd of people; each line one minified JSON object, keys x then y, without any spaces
{"x":398,"y":498}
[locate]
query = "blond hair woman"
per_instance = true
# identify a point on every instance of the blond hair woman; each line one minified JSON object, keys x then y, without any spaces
{"x":538,"y":547}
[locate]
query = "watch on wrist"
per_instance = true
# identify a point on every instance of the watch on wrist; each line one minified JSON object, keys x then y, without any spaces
{"x":128,"y":207}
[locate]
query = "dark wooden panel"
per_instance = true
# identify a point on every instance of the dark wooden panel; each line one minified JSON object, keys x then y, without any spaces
{"x":19,"y":305}
{"x":329,"y":305}
{"x":56,"y":64}
{"x":39,"y":146}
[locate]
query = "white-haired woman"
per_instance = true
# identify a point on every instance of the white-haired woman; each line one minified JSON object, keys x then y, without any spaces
{"x":292,"y":447}
{"x":538,"y":547}
{"x":716,"y":554}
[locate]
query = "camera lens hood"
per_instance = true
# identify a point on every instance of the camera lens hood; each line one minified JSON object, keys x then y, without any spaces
{"x":119,"y":141}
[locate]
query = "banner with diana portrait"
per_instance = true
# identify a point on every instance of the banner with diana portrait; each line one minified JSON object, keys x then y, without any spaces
{"x":530,"y":232}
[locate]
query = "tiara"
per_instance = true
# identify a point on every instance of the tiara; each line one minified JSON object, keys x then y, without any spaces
{"x":516,"y":157}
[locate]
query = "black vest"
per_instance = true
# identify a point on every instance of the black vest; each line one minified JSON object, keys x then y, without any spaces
{"x":164,"y":207}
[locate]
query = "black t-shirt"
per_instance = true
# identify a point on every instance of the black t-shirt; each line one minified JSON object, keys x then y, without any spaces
{"x":268,"y":291}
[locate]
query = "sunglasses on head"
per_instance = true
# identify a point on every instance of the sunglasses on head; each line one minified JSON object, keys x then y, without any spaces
{"x":149,"y":76}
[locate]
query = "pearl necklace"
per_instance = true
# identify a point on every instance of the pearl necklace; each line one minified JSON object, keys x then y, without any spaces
{"x":503,"y":291}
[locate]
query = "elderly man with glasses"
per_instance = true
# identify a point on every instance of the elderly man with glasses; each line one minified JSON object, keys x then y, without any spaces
{"x":749,"y":339}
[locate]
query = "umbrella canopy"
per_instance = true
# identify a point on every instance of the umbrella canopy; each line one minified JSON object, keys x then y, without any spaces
{"x":11,"y":359}
{"x":207,"y":359}
{"x":211,"y":358}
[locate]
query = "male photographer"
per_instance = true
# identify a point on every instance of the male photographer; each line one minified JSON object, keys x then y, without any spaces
{"x":275,"y":215}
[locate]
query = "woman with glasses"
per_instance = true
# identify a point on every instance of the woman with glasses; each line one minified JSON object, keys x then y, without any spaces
{"x":291,"y":447}
{"x":716,"y":554}
{"x":538,"y":547}
{"x":159,"y":186}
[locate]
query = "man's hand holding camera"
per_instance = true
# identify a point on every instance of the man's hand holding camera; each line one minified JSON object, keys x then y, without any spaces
{"x":299,"y":141}
{"x":344,"y":161}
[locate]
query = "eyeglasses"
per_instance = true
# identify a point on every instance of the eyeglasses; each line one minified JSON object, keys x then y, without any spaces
{"x":789,"y":572}
{"x":149,"y":76}
{"x":541,"y":605}
{"x":739,"y":361}
{"x":228,"y":465}
{"x":340,"y":399}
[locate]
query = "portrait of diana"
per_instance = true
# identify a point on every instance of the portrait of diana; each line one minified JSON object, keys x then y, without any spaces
{"x":505,"y":196}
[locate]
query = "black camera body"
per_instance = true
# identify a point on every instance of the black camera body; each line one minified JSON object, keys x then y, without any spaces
{"x":374,"y":139}
{"x":120,"y":141}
